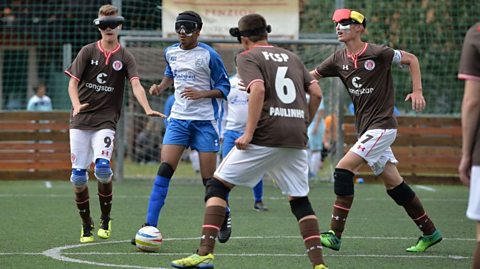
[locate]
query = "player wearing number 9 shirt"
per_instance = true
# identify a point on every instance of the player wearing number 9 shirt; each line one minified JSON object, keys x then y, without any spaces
{"x":96,"y":88}
{"x":274,"y":140}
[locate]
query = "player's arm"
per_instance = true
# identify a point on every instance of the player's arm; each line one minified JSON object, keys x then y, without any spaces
{"x":470,"y":123}
{"x":315,"y":74}
{"x":315,"y":93}
{"x":139,"y":93}
{"x":418,"y":102}
{"x":255,"y":105}
{"x":157,"y":89}
{"x":73,"y":93}
{"x":193,"y":94}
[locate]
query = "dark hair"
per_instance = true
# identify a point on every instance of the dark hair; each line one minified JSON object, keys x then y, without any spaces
{"x":190,"y":15}
{"x":40,"y":85}
{"x":254,"y":26}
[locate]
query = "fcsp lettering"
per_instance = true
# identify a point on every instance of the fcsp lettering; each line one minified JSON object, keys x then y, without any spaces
{"x":277,"y":57}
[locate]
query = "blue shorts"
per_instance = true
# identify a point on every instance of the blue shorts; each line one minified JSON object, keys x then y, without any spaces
{"x":229,"y":138}
{"x":200,"y":135}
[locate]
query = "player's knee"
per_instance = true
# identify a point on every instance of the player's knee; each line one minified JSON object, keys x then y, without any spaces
{"x":401,"y":194}
{"x":301,"y":207}
{"x":79,"y":177}
{"x":165,"y":170}
{"x":343,"y":184}
{"x":215,"y":188}
{"x":103,"y":172}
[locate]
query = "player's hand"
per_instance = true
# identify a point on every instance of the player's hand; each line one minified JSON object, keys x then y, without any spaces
{"x":464,"y":171}
{"x":241,"y":85}
{"x":153,"y":113}
{"x":418,"y":102}
{"x":77,"y":109}
{"x":243,"y":141}
{"x":192,"y":94}
{"x":327,"y":145}
{"x":154,"y":90}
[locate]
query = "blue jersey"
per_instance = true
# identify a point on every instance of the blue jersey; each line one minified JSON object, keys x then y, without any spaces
{"x":200,"y":68}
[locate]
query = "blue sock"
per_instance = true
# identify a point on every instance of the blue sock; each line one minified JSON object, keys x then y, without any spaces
{"x":157,"y":199}
{"x":258,"y":191}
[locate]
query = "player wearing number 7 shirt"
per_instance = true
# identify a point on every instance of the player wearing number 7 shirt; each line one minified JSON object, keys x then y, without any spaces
{"x":96,"y":88}
{"x":365,"y":70}
{"x":274,"y":140}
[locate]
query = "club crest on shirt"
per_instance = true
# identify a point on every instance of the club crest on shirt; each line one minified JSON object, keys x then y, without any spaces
{"x":369,"y":65}
{"x":117,"y":65}
{"x":199,"y":62}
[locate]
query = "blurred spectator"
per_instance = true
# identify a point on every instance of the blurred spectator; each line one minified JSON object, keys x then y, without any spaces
{"x":8,"y":18}
{"x":148,"y":143}
{"x":13,"y":102}
{"x":330,"y":136}
{"x":40,"y":101}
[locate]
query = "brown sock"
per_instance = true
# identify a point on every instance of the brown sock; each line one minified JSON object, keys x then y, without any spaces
{"x":83,"y":205}
{"x":213,"y":219}
{"x":415,"y":210}
{"x":340,"y":212}
{"x":476,"y":257}
{"x":105,"y":196}
{"x":311,"y":238}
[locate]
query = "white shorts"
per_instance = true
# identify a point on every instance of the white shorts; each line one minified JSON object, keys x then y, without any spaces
{"x":88,"y":145}
{"x":473,"y":210}
{"x":288,"y":166}
{"x":374,"y":147}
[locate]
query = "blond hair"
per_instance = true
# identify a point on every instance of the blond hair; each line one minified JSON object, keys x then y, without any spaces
{"x":108,"y":10}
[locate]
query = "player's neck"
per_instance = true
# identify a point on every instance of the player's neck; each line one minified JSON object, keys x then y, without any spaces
{"x":354,"y":46}
{"x":263,"y":42}
{"x":189,"y":46}
{"x":109,"y":45}
{"x":259,"y":43}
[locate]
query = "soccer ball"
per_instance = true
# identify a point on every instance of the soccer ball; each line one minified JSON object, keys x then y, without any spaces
{"x":148,"y":239}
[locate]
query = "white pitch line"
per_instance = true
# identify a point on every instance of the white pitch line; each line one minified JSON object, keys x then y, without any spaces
{"x":56,"y":253}
{"x":456,"y":257}
{"x":426,"y":188}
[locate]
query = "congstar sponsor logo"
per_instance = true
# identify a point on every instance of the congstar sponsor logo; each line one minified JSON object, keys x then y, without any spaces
{"x":101,"y":79}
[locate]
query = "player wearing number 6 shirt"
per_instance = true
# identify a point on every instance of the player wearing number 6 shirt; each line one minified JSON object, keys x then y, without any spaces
{"x":469,"y":168}
{"x":274,"y":140}
{"x":96,"y":88}
{"x":365,"y":70}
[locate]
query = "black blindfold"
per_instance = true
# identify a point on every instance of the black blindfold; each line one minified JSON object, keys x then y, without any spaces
{"x":111,"y":22}
{"x":235,"y":32}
